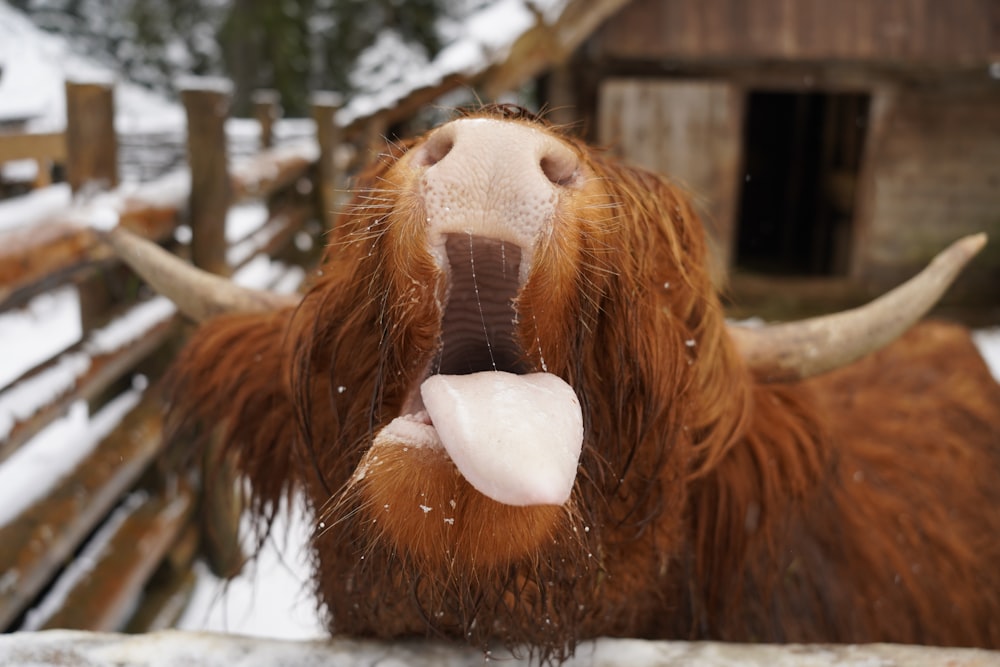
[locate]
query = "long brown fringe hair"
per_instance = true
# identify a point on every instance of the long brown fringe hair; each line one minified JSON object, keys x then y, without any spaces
{"x":705,"y":506}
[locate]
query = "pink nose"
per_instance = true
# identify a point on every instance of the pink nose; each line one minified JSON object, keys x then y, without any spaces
{"x":494,"y":178}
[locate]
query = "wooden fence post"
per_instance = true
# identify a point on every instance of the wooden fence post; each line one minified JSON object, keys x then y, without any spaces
{"x":207,"y":105}
{"x":92,"y":161}
{"x":266,"y":109}
{"x":91,"y":144}
{"x":328,"y":134}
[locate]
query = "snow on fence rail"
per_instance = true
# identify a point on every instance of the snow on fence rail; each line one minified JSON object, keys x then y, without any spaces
{"x":73,"y":516}
{"x":192,"y":649}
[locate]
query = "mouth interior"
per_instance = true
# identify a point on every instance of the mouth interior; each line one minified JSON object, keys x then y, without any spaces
{"x":514,"y":435}
{"x":478,"y":330}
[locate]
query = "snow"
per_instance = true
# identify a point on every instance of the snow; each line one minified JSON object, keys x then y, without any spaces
{"x":25,"y":398}
{"x":180,"y":649}
{"x":36,"y":66}
{"x":131,"y":326}
{"x":83,"y":563}
{"x":243,"y":220}
{"x":390,"y":69}
{"x":37,"y":466}
{"x":988,"y":341}
{"x":271,"y":597}
{"x":34,"y":207}
{"x":47,"y":324}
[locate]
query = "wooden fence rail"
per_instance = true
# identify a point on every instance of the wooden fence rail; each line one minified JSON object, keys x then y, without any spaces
{"x":70,"y":559}
{"x":163,"y":649}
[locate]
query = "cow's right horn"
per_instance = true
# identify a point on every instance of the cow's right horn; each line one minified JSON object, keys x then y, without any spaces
{"x":197,"y":293}
{"x":802,"y":349}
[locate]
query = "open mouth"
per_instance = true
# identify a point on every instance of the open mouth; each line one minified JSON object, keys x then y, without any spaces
{"x":514,"y":434}
{"x":478,"y":329}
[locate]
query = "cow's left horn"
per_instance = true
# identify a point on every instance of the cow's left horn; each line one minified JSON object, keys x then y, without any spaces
{"x":797,"y":350}
{"x":197,"y":293}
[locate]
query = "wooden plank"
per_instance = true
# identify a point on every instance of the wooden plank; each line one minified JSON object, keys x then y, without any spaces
{"x":690,"y":132}
{"x":545,"y":45}
{"x":42,"y":258}
{"x":44,"y":537}
{"x":106,"y":596}
{"x":266,"y":109}
{"x":91,"y":143}
{"x":957,"y":33}
{"x":324,"y":112}
{"x":267,"y":173}
{"x":60,"y":648}
{"x":45,"y":256}
{"x":33,"y":261}
{"x":164,"y":603}
{"x":103,"y":371}
{"x":169,"y":590}
{"x":211,"y":192}
{"x":41,"y":146}
{"x":930,"y":174}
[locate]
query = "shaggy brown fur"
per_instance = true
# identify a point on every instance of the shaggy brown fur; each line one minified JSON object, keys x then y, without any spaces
{"x":861,"y":506}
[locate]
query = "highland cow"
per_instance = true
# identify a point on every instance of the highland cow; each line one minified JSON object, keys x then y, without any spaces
{"x":512,"y":401}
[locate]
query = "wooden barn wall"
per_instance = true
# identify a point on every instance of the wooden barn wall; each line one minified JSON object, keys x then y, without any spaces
{"x":933,"y":174}
{"x":948,"y":31}
{"x":688,"y":131}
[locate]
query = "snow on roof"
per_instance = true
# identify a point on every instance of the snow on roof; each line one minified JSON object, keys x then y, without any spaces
{"x":36,"y":65}
{"x":389,"y":70}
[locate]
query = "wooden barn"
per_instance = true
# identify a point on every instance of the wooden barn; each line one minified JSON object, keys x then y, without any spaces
{"x":832,"y":147}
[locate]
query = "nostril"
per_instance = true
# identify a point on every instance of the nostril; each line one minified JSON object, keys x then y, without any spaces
{"x":560,"y":165}
{"x":436,"y":147}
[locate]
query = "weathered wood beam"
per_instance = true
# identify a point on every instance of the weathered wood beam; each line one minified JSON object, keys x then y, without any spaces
{"x":268,"y":172}
{"x":44,"y":537}
{"x":40,"y":258}
{"x":211,"y":192}
{"x":57,"y":648}
{"x":41,"y":146}
{"x":266,"y":110}
{"x":102,"y":371}
{"x":169,"y":590}
{"x":105,"y":597}
{"x":45,"y":256}
{"x":164,"y":601}
{"x":91,"y":142}
{"x":546,"y":44}
{"x":407,"y":106}
{"x":272,"y":236}
{"x":328,"y":135}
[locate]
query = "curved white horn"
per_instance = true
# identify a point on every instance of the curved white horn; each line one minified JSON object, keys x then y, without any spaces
{"x":802,"y":349}
{"x":197,"y":293}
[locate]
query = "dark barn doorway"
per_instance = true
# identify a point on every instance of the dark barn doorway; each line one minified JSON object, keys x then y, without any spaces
{"x":802,"y":153}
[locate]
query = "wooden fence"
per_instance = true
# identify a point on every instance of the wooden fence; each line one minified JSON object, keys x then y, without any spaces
{"x":110,"y":545}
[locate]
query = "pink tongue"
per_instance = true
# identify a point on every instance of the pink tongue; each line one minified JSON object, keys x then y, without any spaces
{"x":515,"y":438}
